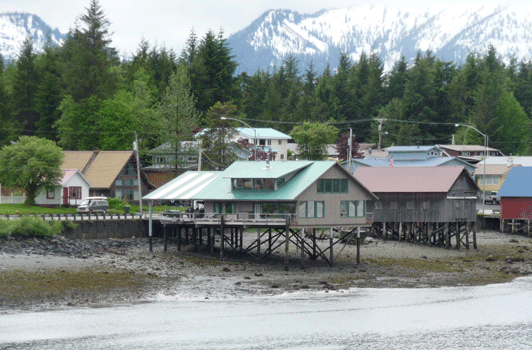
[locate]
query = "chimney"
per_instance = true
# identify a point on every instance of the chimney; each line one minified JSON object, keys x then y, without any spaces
{"x":510,"y":161}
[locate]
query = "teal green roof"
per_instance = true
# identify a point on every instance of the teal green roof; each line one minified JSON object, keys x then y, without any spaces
{"x":308,"y":173}
{"x":259,"y":170}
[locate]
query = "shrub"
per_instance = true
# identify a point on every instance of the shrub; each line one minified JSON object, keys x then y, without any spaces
{"x":34,"y":227}
{"x":115,"y":203}
{"x":5,"y":228}
{"x":69,"y":224}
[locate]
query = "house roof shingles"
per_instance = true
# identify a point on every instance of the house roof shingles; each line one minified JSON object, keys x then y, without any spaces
{"x":493,"y":169}
{"x":106,"y":166}
{"x":76,"y":159}
{"x":408,"y":179}
{"x":99,"y":168}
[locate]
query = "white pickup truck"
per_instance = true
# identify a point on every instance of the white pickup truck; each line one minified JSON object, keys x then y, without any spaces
{"x":491,"y":197}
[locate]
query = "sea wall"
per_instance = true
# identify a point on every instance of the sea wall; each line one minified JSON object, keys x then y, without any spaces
{"x":103,"y":229}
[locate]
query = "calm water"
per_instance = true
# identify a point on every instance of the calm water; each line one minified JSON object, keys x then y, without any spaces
{"x":491,"y":317}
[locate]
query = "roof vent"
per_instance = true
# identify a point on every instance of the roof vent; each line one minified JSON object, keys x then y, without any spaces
{"x":267,"y":164}
{"x":510,"y":161}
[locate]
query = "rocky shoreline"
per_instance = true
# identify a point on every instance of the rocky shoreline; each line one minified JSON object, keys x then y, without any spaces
{"x":43,"y":274}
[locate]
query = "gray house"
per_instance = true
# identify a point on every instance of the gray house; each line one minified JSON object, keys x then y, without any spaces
{"x":428,"y":204}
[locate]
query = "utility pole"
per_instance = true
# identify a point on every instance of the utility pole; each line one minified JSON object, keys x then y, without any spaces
{"x":350,"y":154}
{"x":136,"y":149}
{"x":380,"y":120}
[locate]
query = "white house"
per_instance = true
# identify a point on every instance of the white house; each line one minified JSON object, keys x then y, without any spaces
{"x":71,"y":190}
{"x":267,"y":137}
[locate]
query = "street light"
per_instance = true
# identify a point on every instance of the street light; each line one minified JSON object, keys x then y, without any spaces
{"x":255,"y":130}
{"x":485,"y":156}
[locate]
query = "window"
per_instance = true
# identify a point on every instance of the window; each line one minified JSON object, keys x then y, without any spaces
{"x":352,"y":209}
{"x":282,"y":156}
{"x":75,"y":192}
{"x":280,"y":182}
{"x":128,"y":170}
{"x":332,"y":186}
{"x":118,"y":182}
{"x":410,"y":205}
{"x":378,"y":205}
{"x":160,"y":159}
{"x":425,"y":205}
{"x":490,"y":180}
{"x":225,"y":208}
{"x":279,"y":142}
{"x":50,"y":194}
{"x":269,"y":142}
{"x":312,"y":209}
{"x":393,"y":205}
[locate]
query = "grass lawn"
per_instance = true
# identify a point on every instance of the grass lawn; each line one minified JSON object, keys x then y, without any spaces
{"x":16,"y":209}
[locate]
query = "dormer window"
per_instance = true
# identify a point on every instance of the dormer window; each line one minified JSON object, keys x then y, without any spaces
{"x":256,"y":184}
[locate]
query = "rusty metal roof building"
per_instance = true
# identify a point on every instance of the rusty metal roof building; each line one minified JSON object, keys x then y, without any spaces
{"x":408,"y":179}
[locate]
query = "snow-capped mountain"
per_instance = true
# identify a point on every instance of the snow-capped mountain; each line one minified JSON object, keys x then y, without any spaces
{"x":450,"y":32}
{"x":14,"y":28}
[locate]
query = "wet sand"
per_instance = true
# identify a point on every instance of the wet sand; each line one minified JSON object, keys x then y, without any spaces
{"x":35,"y":280}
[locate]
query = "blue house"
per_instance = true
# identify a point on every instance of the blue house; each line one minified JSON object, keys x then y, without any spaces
{"x":409,"y":156}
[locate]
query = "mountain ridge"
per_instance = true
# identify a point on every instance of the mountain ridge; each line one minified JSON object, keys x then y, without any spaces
{"x":14,"y":28}
{"x":450,"y":32}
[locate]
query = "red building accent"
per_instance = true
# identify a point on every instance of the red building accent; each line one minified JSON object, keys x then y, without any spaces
{"x":516,"y":208}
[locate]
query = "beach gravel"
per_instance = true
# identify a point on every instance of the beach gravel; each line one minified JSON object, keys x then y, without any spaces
{"x":42,"y":274}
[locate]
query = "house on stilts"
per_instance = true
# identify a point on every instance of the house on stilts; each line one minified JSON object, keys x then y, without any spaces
{"x":428,"y":205}
{"x":516,"y":201}
{"x":285,"y":202}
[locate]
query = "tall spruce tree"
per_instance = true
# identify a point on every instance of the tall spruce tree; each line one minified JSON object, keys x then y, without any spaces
{"x":178,"y":114}
{"x":25,"y":88}
{"x":8,"y":132}
{"x":89,"y":58}
{"x":48,"y":94}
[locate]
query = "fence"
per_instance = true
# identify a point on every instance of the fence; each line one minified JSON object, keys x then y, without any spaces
{"x":12,"y":199}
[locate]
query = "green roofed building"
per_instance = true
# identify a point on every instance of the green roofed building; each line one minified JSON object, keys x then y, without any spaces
{"x":311,"y":193}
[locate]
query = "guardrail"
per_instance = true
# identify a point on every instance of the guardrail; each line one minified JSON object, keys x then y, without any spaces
{"x":216,"y":217}
{"x":74,"y":217}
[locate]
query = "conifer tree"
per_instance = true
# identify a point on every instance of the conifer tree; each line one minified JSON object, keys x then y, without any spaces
{"x":25,"y":87}
{"x":7,"y":126}
{"x":48,"y":94}
{"x":178,"y":114}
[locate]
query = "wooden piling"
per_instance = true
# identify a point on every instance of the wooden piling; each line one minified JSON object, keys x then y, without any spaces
{"x":258,"y":241}
{"x":358,"y":245}
{"x":178,"y":238}
{"x":331,"y":246}
{"x":222,"y":238}
{"x":165,"y":247}
{"x":302,"y":232}
{"x":287,"y":244}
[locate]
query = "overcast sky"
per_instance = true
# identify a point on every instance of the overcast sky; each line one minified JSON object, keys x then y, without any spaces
{"x":169,"y":22}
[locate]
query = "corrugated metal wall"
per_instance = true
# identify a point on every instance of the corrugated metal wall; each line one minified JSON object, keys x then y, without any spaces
{"x":516,"y":208}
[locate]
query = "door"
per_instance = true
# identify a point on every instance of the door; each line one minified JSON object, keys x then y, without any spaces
{"x":65,"y":195}
{"x":257,"y":210}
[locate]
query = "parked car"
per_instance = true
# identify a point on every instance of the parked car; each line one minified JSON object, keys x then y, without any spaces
{"x":94,"y":205}
{"x":492,"y":198}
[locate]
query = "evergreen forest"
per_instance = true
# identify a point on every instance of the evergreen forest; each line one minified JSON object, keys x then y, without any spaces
{"x":83,"y":96}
